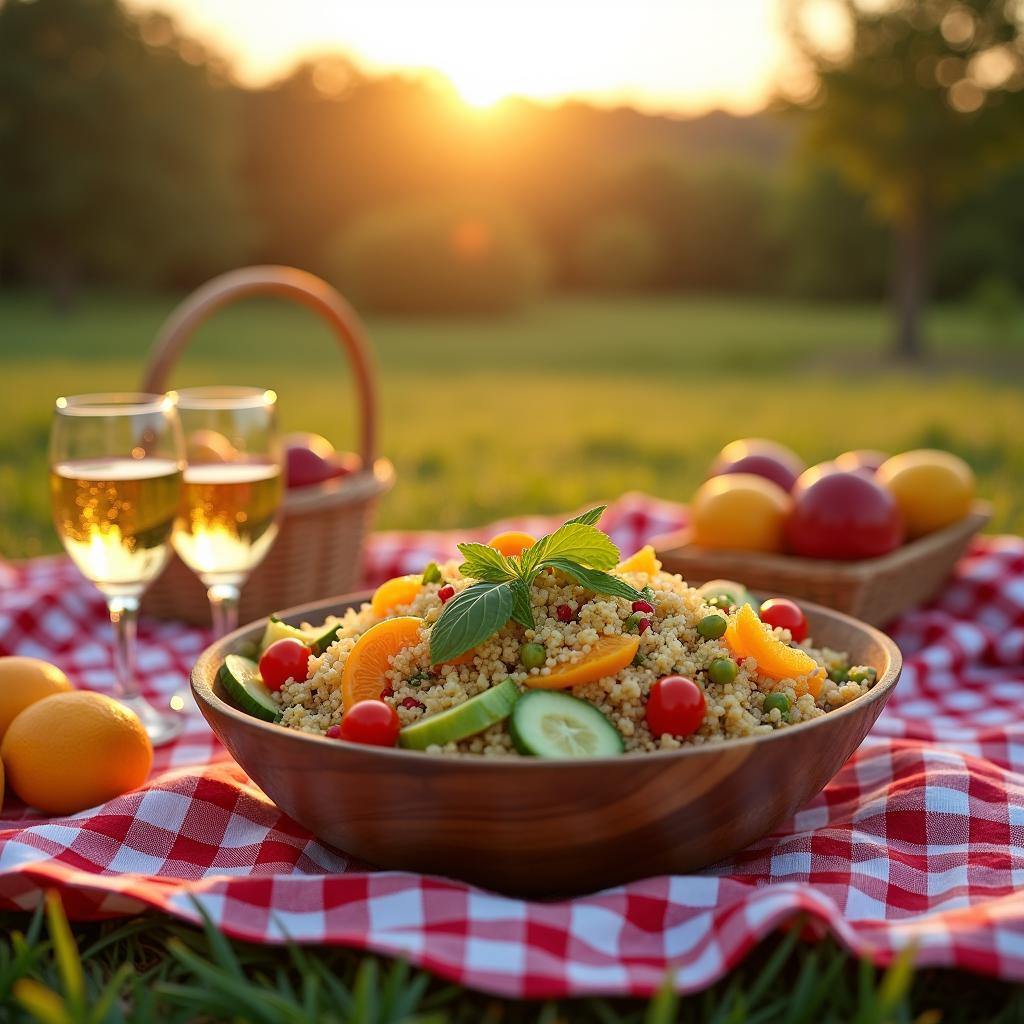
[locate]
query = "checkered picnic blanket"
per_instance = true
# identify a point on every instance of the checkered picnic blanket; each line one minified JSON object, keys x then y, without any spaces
{"x":919,"y":838}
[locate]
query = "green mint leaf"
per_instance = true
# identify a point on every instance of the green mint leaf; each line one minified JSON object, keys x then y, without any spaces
{"x":484,"y":563}
{"x":591,"y":518}
{"x":522,"y":610}
{"x":578,"y":542}
{"x":470,"y":618}
{"x":595,"y":580}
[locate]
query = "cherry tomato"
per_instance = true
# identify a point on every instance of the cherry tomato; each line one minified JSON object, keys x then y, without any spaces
{"x":283,"y":660}
{"x":780,"y":611}
{"x":372,"y":722}
{"x":675,"y":706}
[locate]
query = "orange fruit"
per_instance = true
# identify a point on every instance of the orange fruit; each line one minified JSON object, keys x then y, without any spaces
{"x":23,"y":681}
{"x":643,"y":560}
{"x":512,"y":542}
{"x":75,"y":750}
{"x":398,"y":591}
{"x":363,"y":676}
{"x":932,"y":488}
{"x":609,"y":655}
{"x":740,"y":511}
{"x":748,"y":637}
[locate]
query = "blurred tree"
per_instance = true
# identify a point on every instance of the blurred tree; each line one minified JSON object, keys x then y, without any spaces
{"x":117,"y":148}
{"x":439,"y":257}
{"x":619,"y":252}
{"x":915,"y":101}
{"x":831,"y":246}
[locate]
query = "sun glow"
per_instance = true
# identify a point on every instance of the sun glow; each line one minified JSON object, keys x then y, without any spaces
{"x":669,"y":55}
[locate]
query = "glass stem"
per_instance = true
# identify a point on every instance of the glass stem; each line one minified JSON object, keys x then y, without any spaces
{"x":224,"y":608}
{"x":124,"y":614}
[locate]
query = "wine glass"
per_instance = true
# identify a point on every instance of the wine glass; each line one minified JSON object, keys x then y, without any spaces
{"x":231,"y":499}
{"x":116,"y":464}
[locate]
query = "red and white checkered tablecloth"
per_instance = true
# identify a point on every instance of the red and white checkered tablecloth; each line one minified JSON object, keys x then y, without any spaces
{"x":919,"y":838}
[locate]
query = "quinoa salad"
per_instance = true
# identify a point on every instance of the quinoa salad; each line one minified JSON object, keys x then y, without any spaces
{"x":597,"y":657}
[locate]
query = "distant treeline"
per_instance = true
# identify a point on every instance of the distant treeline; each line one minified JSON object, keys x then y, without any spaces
{"x":128,"y":156}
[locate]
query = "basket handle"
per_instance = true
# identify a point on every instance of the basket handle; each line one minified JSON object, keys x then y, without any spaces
{"x":287,"y":283}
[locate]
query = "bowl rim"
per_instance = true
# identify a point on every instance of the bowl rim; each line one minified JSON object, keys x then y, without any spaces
{"x":203,"y":693}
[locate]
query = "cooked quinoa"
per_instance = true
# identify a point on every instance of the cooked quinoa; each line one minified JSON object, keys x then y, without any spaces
{"x":671,"y":646}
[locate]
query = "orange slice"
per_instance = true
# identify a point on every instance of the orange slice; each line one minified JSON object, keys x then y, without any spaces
{"x":748,"y":637}
{"x":462,"y":659}
{"x":398,"y":591}
{"x":512,"y":542}
{"x":363,"y":677}
{"x":609,"y":655}
{"x":642,"y":561}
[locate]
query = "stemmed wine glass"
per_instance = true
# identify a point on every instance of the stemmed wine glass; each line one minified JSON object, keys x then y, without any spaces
{"x":228,"y":516}
{"x":116,"y":464}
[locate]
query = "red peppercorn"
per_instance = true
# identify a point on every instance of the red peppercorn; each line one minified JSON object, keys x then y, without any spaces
{"x":411,"y":702}
{"x":643,"y":625}
{"x":446,"y":593}
{"x":334,"y":731}
{"x":643,"y":606}
{"x":564,"y":613}
{"x":388,"y":691}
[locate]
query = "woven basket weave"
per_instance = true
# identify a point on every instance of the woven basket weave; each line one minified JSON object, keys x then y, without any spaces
{"x":875,"y":590}
{"x":319,"y":547}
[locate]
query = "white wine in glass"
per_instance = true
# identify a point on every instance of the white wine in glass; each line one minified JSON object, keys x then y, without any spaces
{"x":116,"y":467}
{"x":231,"y":498}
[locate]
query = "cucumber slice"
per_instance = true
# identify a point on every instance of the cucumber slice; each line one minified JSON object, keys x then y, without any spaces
{"x":549,"y":723}
{"x":240,"y":678}
{"x":466,"y":719}
{"x":325,"y":639}
{"x":278,"y":630}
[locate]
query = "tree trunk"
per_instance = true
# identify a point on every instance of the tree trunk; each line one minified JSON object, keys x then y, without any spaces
{"x":910,"y":284}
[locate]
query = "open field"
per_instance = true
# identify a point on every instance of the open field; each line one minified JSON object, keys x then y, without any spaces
{"x":580,"y":399}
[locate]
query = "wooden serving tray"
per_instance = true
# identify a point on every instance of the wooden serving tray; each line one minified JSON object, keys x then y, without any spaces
{"x":875,"y":590}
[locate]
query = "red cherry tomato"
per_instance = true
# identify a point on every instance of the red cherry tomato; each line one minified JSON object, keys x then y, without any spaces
{"x":372,"y":722}
{"x":675,"y":706}
{"x":283,"y":660}
{"x":780,"y":611}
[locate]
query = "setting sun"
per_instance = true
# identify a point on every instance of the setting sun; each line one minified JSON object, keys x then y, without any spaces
{"x":652,"y":54}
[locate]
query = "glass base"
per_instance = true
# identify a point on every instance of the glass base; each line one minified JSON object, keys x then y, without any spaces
{"x":161,"y":726}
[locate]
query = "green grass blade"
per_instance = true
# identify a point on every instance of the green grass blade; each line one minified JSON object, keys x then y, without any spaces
{"x":41,"y":1003}
{"x":665,"y":1004}
{"x":66,"y":952}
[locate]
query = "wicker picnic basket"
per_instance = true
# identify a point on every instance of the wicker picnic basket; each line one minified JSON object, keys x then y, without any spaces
{"x":318,"y":551}
{"x":875,"y":590}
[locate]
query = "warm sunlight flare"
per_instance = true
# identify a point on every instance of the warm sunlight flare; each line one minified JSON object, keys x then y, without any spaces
{"x":668,"y":55}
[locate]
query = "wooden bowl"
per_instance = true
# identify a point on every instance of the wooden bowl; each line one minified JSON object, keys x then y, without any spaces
{"x":545,"y":828}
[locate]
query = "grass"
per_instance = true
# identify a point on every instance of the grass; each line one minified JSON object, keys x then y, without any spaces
{"x":180,"y":974}
{"x":577,"y":400}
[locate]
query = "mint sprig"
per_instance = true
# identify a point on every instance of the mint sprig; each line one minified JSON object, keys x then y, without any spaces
{"x":577,"y":548}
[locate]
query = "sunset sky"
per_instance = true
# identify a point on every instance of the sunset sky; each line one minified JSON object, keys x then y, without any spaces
{"x":681,"y":56}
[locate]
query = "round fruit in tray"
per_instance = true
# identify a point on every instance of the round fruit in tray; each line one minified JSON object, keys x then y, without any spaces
{"x":861,"y":505}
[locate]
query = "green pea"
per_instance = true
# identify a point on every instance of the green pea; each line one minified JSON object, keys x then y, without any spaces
{"x":432,"y":574}
{"x":532,"y":655}
{"x":712,"y":627}
{"x":862,"y":674}
{"x":777,"y":700}
{"x":723,"y":671}
{"x":839,"y":674}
